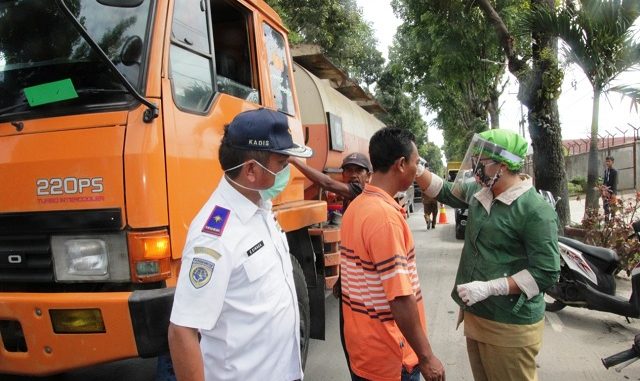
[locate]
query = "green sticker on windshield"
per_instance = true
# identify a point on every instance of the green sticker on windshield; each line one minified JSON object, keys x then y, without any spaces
{"x":50,"y":92}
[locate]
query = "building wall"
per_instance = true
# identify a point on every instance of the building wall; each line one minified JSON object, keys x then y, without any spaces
{"x":626,"y":162}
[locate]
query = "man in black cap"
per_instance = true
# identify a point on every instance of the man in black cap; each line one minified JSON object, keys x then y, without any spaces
{"x":236,"y":290}
{"x":356,"y":172}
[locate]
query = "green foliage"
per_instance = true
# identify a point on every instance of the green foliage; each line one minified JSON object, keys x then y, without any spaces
{"x":631,"y":92}
{"x":574,"y":189}
{"x":452,"y":62}
{"x":577,"y":185}
{"x":599,"y":35}
{"x":552,"y":77}
{"x":338,"y":27}
{"x":402,"y":110}
{"x":601,"y":39}
{"x":432,"y":154}
{"x":579,"y":181}
{"x":616,"y":233}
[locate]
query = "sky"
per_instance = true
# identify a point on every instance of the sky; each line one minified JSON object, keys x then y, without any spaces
{"x":575,"y":102}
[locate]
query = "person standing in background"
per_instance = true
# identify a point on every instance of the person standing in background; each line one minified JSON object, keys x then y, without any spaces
{"x":609,"y":187}
{"x":356,"y":172}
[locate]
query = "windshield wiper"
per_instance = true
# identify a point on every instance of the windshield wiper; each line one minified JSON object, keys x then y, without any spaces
{"x":13,"y":107}
{"x":89,"y":90}
{"x":152,"y":111}
{"x":97,"y":90}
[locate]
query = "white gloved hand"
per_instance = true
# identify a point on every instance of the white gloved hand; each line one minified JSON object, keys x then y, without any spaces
{"x":422,"y":166}
{"x":477,"y":291}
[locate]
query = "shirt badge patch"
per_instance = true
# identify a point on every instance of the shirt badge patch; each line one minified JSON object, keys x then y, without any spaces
{"x":200,"y":272}
{"x":255,"y":248}
{"x":217,"y":221}
{"x":206,"y":251}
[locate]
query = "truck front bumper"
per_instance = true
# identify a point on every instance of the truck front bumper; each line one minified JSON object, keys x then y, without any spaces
{"x":135,"y":325}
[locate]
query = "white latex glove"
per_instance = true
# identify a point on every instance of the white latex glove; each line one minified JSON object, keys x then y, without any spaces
{"x":474,"y":292}
{"x":422,"y":165}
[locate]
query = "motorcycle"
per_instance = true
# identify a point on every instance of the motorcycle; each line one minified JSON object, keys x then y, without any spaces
{"x":587,"y":278}
{"x":624,"y":358}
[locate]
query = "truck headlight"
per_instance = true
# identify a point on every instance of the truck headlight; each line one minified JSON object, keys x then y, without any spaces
{"x":101,"y":257}
{"x":86,"y":257}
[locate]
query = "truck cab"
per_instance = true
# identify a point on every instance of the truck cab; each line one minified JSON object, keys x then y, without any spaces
{"x":111,"y":117}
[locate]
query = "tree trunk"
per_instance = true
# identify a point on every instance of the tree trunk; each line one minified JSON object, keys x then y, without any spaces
{"x":544,"y":120}
{"x":494,"y":114}
{"x":591,"y":202}
{"x":546,"y":135}
{"x":537,"y":94}
{"x":548,"y":160}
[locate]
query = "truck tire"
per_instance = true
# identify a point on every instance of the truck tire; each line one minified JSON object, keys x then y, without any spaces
{"x":303,"y":307}
{"x":459,"y":232}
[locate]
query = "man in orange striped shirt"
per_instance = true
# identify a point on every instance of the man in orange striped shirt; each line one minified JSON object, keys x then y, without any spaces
{"x":384,"y":321}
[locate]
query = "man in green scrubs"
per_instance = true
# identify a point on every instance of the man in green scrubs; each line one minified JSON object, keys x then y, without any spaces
{"x":510,"y":255}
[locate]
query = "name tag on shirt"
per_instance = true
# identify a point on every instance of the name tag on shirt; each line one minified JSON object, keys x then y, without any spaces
{"x":255,"y":248}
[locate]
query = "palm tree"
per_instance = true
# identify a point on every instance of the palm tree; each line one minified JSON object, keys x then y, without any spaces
{"x":599,"y":38}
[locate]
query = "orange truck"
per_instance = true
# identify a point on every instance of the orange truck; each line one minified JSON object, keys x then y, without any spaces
{"x":111,"y":115}
{"x":336,"y":113}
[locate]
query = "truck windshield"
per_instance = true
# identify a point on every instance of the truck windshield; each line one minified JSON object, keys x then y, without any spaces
{"x":47,"y":68}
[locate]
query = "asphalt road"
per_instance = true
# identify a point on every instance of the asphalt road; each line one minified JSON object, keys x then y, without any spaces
{"x":574,"y":339}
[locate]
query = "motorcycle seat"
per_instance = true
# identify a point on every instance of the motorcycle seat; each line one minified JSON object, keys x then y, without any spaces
{"x":601,"y":253}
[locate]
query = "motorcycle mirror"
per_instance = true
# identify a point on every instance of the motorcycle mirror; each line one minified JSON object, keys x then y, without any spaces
{"x":548,"y":197}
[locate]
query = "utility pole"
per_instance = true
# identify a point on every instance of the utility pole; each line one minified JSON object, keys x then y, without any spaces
{"x":522,"y":122}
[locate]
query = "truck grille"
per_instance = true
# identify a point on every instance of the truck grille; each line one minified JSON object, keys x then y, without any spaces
{"x":25,"y":259}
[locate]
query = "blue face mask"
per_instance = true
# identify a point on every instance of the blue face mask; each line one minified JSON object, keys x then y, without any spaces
{"x":280,"y":182}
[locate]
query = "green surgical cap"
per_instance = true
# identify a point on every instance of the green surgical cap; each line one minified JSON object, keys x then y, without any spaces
{"x":514,"y":144}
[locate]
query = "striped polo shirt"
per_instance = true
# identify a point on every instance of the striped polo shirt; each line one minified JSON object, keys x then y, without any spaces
{"x":377,"y":264}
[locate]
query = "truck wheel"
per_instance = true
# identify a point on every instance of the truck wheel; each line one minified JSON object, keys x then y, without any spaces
{"x":459,"y":232}
{"x":303,"y":307}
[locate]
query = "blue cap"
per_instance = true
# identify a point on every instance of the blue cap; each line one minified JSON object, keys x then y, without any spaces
{"x":264,"y":130}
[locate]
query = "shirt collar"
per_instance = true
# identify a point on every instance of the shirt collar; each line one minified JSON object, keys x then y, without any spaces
{"x":485,"y":196}
{"x":242,"y":206}
{"x":378,"y":192}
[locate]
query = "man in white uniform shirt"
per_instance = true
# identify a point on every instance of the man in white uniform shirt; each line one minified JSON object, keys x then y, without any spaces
{"x":236,"y":283}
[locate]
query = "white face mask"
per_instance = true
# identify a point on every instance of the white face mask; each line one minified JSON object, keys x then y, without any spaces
{"x":280,"y":182}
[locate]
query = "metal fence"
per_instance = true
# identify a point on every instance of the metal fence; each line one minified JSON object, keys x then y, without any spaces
{"x":622,"y":145}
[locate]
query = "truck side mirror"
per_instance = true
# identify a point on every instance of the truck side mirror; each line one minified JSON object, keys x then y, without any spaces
{"x":121,"y":3}
{"x":131,"y":51}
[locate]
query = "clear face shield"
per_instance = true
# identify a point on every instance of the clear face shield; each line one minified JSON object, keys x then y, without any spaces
{"x":480,"y":155}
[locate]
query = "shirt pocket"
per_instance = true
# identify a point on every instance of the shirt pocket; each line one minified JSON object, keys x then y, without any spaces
{"x":259,"y":269}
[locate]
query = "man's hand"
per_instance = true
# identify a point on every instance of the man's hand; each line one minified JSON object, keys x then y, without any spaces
{"x":432,"y":369}
{"x":477,"y":291}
